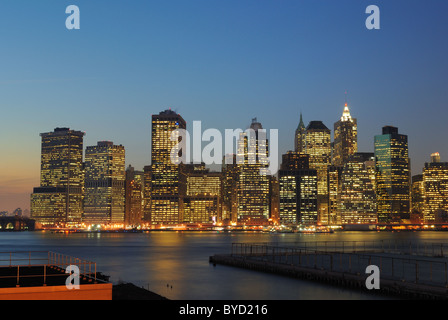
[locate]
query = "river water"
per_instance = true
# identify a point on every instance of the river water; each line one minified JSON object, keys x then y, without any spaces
{"x":176,"y":265}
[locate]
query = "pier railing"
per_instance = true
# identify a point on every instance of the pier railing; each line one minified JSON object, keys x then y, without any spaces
{"x":39,"y":267}
{"x":418,"y":263}
{"x":421,"y":248}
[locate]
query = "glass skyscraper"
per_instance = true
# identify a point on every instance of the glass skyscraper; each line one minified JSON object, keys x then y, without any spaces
{"x":392,"y":167}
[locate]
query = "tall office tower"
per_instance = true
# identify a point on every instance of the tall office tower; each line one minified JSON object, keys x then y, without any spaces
{"x":134,"y":188}
{"x":167,"y":182}
{"x":334,"y":186}
{"x":104,"y":200}
{"x":59,"y":199}
{"x":417,"y":198}
{"x":253,"y":187}
{"x":299,"y":141}
{"x":318,"y":146}
{"x":202,"y":202}
{"x":345,"y":138}
{"x":435,"y":157}
{"x":297,"y":191}
{"x":435,"y":184}
{"x":392,"y":176}
{"x":147,"y":176}
{"x":230,"y":173}
{"x":357,"y":198}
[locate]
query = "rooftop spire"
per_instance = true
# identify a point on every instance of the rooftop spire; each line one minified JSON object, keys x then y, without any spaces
{"x":301,"y":124}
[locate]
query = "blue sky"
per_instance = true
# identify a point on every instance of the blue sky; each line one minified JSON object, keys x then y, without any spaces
{"x":223,"y":62}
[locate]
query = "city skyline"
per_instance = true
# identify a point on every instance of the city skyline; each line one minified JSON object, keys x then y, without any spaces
{"x":230,"y":61}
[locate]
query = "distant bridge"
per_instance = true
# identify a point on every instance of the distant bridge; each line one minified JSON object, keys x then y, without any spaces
{"x":16,"y":224}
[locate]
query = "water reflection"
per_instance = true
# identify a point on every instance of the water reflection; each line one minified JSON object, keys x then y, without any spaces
{"x":176,"y":264}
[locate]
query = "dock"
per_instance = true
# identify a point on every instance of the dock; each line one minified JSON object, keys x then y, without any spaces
{"x":407,"y":270}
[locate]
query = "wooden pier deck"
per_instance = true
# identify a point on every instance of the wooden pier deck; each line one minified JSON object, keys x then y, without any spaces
{"x":405,"y":271}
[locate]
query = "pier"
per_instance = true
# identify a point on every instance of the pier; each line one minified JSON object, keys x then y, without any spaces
{"x":408,"y":270}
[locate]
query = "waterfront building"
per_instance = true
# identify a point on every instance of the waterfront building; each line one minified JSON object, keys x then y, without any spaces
{"x":202,"y":202}
{"x":345,"y":138}
{"x":299,"y":138}
{"x":435,"y":186}
{"x":104,"y":201}
{"x":253,"y":204}
{"x":357,"y":197}
{"x":134,"y":189}
{"x":147,"y":176}
{"x":334,"y":189}
{"x":392,"y":167}
{"x":298,"y":193}
{"x":59,"y":199}
{"x":417,"y":198}
{"x":167,"y":183}
{"x":230,"y":175}
{"x":318,"y":147}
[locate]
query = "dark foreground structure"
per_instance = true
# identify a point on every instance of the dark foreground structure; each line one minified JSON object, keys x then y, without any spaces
{"x":41,"y":275}
{"x":407,"y":270}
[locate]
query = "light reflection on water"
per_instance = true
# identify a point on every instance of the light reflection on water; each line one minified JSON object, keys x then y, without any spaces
{"x":176,"y":265}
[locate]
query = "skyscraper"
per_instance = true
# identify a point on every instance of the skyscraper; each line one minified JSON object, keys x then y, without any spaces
{"x":345,"y":138}
{"x":202,"y":202}
{"x":357,"y":198}
{"x":417,"y":198}
{"x":299,"y":141}
{"x":297,"y":191}
{"x":104,"y":200}
{"x":167,"y":183}
{"x":134,"y":188}
{"x":392,"y":167}
{"x":230,"y":175}
{"x":253,"y":187}
{"x":435,"y":186}
{"x":318,"y":147}
{"x":59,"y":199}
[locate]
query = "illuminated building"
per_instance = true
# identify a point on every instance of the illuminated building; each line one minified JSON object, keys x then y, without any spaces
{"x":253,"y":187}
{"x":417,"y":198}
{"x":104,"y":200}
{"x":435,"y":184}
{"x":334,"y":181}
{"x":202,"y":202}
{"x":345,"y":138}
{"x":318,"y":146}
{"x":299,"y":141}
{"x":297,"y":191}
{"x":134,"y":197}
{"x":167,"y":183}
{"x":392,"y":176}
{"x":357,"y":197}
{"x":435,"y":157}
{"x":147,"y":176}
{"x":59,"y":199}
{"x":230,"y":174}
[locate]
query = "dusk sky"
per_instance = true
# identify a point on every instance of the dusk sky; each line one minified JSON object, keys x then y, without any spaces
{"x":223,"y":62}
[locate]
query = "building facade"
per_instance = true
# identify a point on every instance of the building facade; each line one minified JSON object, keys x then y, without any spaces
{"x":357,"y":196}
{"x":435,"y":186}
{"x":59,"y":199}
{"x":253,"y":204}
{"x":318,"y":147}
{"x":167,"y":183}
{"x":392,"y":167}
{"x":345,"y":138}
